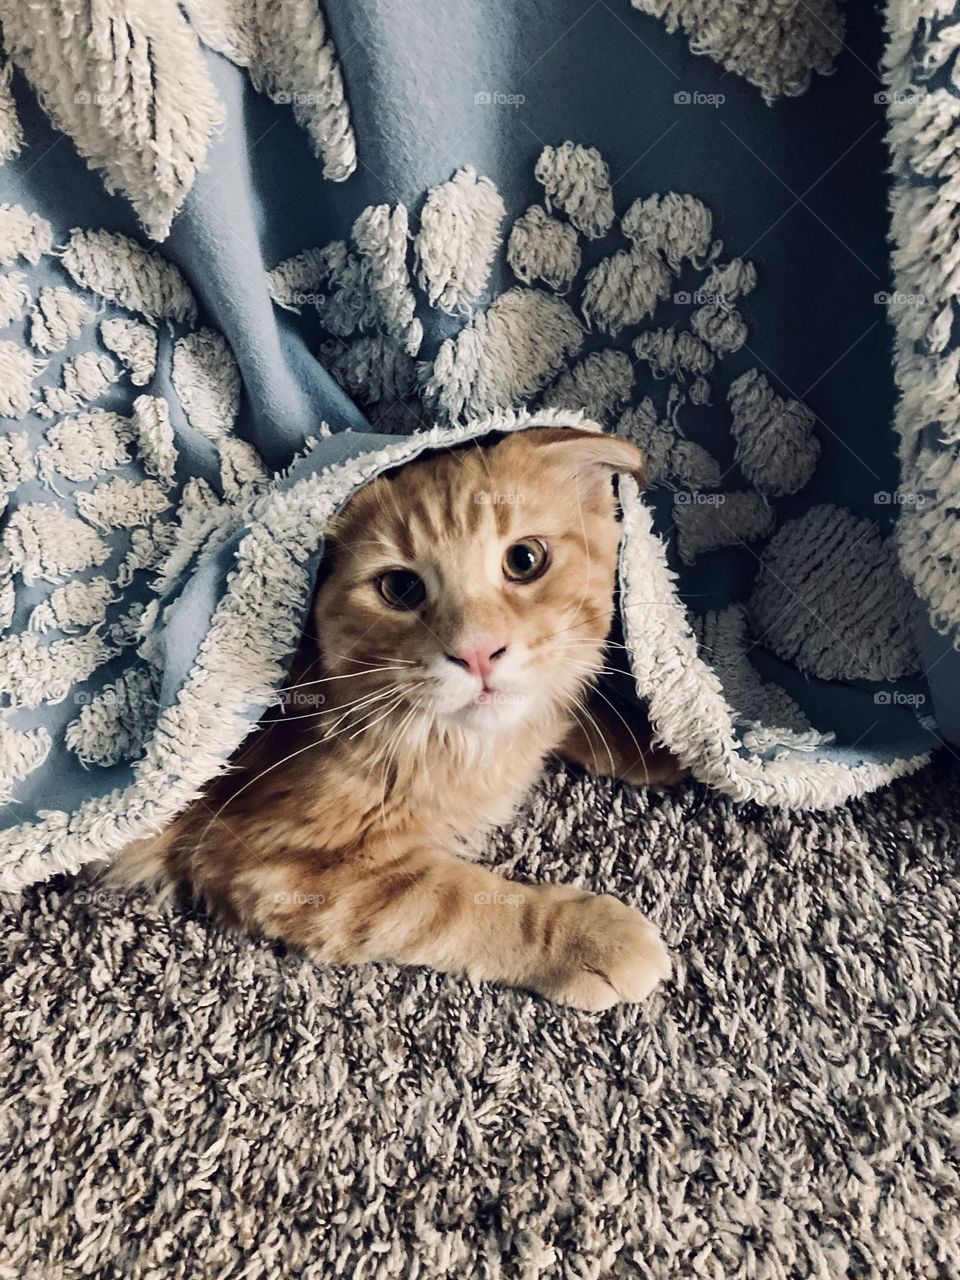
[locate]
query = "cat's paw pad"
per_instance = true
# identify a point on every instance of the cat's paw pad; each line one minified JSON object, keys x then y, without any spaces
{"x":611,"y":953}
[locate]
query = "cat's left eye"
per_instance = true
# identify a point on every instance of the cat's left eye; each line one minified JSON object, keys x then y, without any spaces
{"x":525,"y":560}
{"x":402,"y":589}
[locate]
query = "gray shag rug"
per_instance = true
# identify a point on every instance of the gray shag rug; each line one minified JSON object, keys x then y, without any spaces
{"x":180,"y":1102}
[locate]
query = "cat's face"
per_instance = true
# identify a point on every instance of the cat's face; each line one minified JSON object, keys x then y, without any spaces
{"x":473,"y":589}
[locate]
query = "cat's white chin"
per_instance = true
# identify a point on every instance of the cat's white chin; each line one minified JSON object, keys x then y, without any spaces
{"x":492,"y":710}
{"x":463,"y":701}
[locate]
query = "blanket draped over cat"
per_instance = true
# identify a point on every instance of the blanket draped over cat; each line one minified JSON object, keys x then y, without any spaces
{"x":253,"y":254}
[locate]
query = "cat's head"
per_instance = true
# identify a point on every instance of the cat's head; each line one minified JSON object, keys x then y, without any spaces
{"x":472,"y":589}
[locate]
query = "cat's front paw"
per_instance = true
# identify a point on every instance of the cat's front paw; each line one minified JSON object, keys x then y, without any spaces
{"x":608,"y":953}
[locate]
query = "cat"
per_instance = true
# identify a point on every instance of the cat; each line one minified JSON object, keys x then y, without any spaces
{"x":460,"y":623}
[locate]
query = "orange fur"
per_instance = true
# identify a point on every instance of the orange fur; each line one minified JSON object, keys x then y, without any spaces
{"x":340,"y":825}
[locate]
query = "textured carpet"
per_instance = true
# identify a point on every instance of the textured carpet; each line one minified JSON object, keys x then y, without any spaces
{"x":183,"y":1103}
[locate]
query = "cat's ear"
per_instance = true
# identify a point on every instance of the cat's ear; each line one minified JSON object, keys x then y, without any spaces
{"x":586,"y":453}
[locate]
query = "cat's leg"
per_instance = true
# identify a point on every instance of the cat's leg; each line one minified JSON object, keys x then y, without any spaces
{"x":430,"y":908}
{"x":611,"y":737}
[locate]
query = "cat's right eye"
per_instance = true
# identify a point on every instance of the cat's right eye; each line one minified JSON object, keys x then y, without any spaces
{"x":402,"y":589}
{"x":525,"y":560}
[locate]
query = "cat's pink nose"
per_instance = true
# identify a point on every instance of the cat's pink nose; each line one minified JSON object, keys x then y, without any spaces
{"x":478,"y":657}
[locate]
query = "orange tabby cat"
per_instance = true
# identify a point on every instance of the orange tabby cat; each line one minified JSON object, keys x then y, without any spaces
{"x":460,"y":624}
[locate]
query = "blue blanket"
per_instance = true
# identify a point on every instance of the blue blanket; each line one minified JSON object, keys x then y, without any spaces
{"x":253,"y":254}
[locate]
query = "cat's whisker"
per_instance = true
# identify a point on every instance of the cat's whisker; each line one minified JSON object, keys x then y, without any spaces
{"x":372,"y":712}
{"x":641,"y":755}
{"x":256,"y":778}
{"x":573,"y":646}
{"x":362,"y":662}
{"x":359,"y":706}
{"x":482,"y":455}
{"x":374,"y":716}
{"x":379,"y":691}
{"x":382,"y":543}
{"x":593,"y":672}
{"x":379,"y":657}
{"x":394,"y":743}
{"x":601,"y":644}
{"x":350,"y":675}
{"x":575,"y":709}
{"x":385,"y":747}
{"x":567,"y":649}
{"x":579,"y":649}
{"x":586,"y":548}
{"x":304,"y":715}
{"x":582,"y":622}
{"x":370,"y":700}
{"x":369,"y":724}
{"x":581,"y":644}
{"x":431,"y":724}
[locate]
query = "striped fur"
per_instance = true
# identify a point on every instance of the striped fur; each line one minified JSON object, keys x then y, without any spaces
{"x":341,"y":826}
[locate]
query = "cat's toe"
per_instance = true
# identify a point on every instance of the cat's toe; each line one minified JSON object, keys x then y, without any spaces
{"x":612,"y":953}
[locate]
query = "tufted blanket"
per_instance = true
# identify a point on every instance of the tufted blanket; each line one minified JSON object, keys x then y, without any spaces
{"x":253,"y":254}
